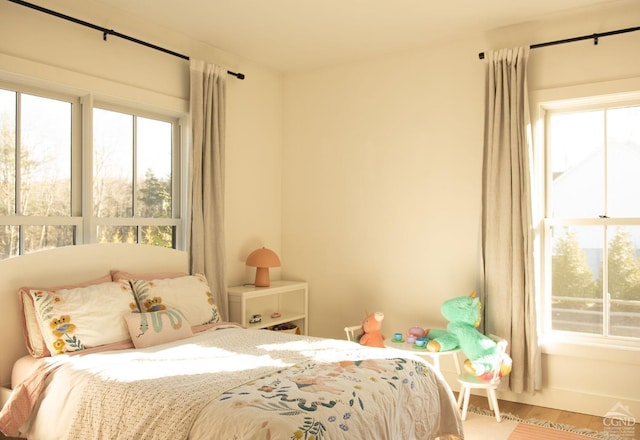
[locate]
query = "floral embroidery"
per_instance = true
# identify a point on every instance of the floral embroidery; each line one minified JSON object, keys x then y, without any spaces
{"x":58,"y":344}
{"x":310,"y":430}
{"x":143,"y":289}
{"x":175,"y":318}
{"x":62,"y":325}
{"x":215,"y":316}
{"x":61,"y":328}
{"x":153,"y":304}
{"x":38,"y":294}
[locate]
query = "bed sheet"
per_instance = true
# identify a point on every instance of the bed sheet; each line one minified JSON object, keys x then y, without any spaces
{"x":22,"y":368}
{"x":245,"y":384}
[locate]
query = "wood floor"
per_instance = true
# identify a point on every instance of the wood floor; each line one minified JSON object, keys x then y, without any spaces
{"x":525,"y":411}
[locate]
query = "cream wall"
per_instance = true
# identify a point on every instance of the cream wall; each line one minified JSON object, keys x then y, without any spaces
{"x":50,"y":52}
{"x":382,"y":186}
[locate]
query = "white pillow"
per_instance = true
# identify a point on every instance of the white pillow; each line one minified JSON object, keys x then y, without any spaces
{"x":84,"y":317}
{"x":33,"y":336}
{"x":189,"y":294}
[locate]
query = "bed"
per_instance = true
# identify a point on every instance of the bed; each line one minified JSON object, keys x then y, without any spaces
{"x":119,"y":341}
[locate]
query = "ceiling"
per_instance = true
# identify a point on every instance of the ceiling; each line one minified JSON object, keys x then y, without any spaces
{"x":291,"y":35}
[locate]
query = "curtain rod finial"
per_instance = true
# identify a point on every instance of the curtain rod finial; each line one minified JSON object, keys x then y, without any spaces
{"x":238,"y":75}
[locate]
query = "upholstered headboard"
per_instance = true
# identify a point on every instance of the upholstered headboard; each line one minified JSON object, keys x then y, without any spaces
{"x":64,"y":266}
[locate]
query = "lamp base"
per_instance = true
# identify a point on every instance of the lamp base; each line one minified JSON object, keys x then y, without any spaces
{"x":262,"y":277}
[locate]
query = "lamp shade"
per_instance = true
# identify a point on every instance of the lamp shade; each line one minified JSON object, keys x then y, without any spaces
{"x":262,"y":259}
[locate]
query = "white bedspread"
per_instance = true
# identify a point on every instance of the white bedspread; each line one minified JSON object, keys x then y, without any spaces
{"x":241,"y":384}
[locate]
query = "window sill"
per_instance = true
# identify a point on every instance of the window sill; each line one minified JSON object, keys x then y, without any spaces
{"x":621,"y":351}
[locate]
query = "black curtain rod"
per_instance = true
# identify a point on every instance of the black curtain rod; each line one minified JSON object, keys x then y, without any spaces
{"x":106,"y":32}
{"x":593,"y":37}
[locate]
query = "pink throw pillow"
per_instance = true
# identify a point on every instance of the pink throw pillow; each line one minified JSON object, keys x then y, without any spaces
{"x":154,"y":328}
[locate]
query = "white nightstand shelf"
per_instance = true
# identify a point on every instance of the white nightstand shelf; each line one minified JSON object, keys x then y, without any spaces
{"x":289,"y":298}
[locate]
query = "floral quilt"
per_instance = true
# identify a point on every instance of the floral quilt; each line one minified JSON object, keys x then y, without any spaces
{"x":234,"y":383}
{"x":393,"y":398}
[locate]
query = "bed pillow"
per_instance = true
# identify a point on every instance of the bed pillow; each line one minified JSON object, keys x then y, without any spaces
{"x":154,"y":328}
{"x":32,"y":335}
{"x":117,"y":275}
{"x":83,"y":317}
{"x":190,"y":294}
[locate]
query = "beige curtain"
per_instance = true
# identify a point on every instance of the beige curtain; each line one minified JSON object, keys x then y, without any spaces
{"x":507,"y":231}
{"x":206,"y":235}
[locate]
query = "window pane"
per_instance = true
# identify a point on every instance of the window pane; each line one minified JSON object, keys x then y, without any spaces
{"x":7,"y":152}
{"x":112,"y":164}
{"x":576,"y":268}
{"x":576,"y":144}
{"x":624,"y":281}
{"x":623,"y":162}
{"x":117,"y":234}
{"x":47,"y":236}
{"x":153,"y":168}
{"x":9,"y":241}
{"x":45,"y":157}
{"x":159,"y":235}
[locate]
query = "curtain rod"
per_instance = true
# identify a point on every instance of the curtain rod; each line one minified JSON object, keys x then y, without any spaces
{"x":584,"y":37}
{"x":106,"y":32}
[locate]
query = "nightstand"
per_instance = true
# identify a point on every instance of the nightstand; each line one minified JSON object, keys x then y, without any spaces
{"x":288,"y":298}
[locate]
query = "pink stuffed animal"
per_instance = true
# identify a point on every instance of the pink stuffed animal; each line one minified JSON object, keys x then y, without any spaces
{"x":371,"y":326}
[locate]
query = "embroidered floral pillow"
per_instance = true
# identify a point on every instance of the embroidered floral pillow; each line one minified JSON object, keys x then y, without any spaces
{"x":148,"y":329}
{"x":33,"y":337}
{"x":84,"y":317}
{"x":189,"y":294}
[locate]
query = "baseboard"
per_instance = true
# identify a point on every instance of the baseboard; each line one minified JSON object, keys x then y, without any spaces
{"x":584,"y":402}
{"x":576,"y":401}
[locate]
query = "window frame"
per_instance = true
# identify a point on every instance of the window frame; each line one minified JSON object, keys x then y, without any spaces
{"x":543,"y":103}
{"x":135,"y":221}
{"x":82,"y":104}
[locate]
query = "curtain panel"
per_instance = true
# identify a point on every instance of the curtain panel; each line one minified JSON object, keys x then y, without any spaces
{"x":507,"y":231}
{"x":206,"y":234}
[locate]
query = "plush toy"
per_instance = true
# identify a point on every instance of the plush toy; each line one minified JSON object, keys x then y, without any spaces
{"x":371,"y":326}
{"x":463,"y":314}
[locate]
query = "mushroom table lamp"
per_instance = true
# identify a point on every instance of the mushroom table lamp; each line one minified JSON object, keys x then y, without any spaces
{"x":262,"y":259}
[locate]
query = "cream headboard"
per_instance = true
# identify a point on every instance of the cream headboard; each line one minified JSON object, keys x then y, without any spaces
{"x":68,"y":265}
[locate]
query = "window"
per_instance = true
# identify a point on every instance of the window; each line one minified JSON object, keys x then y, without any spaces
{"x":52,"y":196}
{"x":133,"y":158}
{"x":591,"y":255}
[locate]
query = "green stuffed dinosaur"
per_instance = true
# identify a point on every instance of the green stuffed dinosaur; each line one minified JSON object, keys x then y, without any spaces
{"x":463,"y":314}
